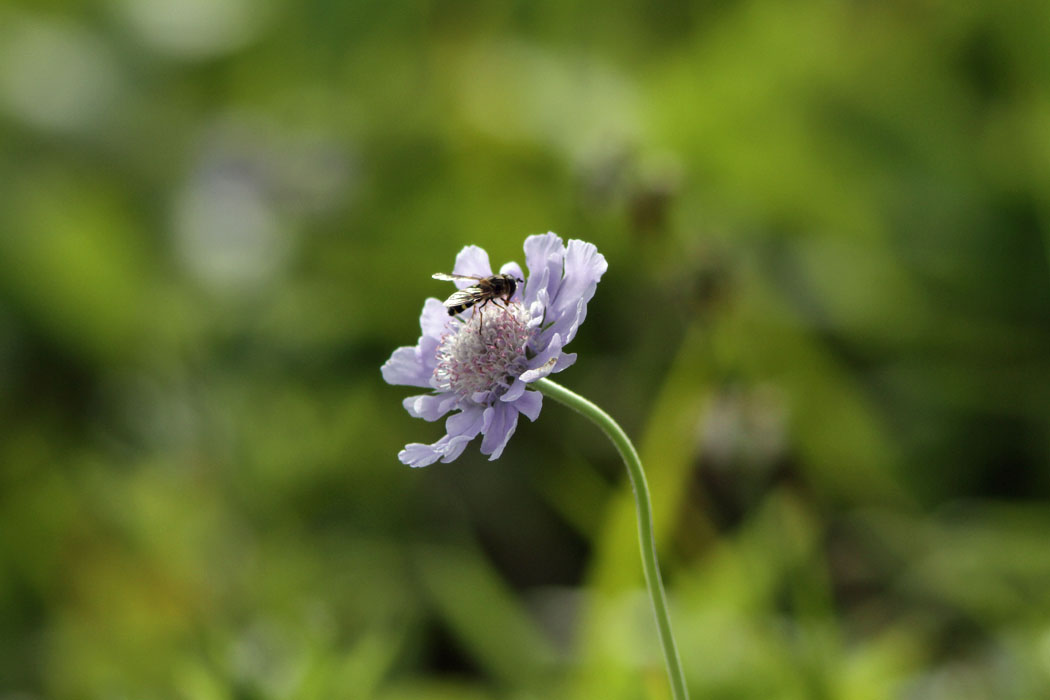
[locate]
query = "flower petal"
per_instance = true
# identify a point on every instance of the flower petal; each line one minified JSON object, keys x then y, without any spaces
{"x":564,"y":323}
{"x":565,"y":360}
{"x":446,"y":449}
{"x":414,"y":366}
{"x":540,"y":372}
{"x":472,"y":261}
{"x":537,"y":310}
{"x":429,"y":407}
{"x":502,"y":420}
{"x":544,"y":255}
{"x":584,"y":267}
{"x":406,"y":366}
{"x":434,"y":320}
{"x":469,"y":422}
{"x":462,"y":428}
{"x":455,"y":447}
{"x":530,"y":404}
{"x":512,"y":268}
{"x":516,"y":389}
{"x":544,"y":362}
{"x":416,"y":454}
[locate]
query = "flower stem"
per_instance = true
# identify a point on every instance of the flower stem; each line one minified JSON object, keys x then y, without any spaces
{"x":645,"y":522}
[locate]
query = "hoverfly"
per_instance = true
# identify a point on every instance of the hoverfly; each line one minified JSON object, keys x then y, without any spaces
{"x":483,"y":291}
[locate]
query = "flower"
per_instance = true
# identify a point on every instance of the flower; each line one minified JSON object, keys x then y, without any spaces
{"x":480,"y":363}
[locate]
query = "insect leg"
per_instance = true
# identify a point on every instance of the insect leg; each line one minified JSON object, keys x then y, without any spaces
{"x":506,"y":302}
{"x":481,"y":316}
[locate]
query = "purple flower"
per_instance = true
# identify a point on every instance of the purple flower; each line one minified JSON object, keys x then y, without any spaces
{"x":481,"y":362}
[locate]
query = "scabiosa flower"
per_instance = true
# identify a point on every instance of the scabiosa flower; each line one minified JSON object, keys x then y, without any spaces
{"x":480,"y":363}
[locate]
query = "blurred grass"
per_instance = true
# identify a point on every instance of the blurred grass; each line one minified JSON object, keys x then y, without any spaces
{"x":825,"y":322}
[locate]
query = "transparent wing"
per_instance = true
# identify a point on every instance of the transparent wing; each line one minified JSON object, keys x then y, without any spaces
{"x":464,"y":296}
{"x":455,"y":278}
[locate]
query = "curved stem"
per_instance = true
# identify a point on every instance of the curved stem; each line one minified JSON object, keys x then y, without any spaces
{"x":645,"y":522}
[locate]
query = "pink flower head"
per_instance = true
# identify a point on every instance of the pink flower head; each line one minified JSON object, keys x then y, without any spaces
{"x":480,"y":363}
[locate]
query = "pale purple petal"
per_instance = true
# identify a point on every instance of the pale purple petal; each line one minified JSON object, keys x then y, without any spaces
{"x":461,"y":427}
{"x":472,"y":261}
{"x":543,"y":254}
{"x":513,"y":269}
{"x":537,"y":310}
{"x":434,"y":321}
{"x":564,"y":323}
{"x":429,"y":407}
{"x":540,"y":372}
{"x":417,"y":454}
{"x":516,"y":389}
{"x":536,"y":289}
{"x":565,"y":360}
{"x":455,"y":447}
{"x":406,"y":366}
{"x":530,"y":404}
{"x":469,"y":422}
{"x":544,"y":362}
{"x":502,"y":421}
{"x":584,"y":267}
{"x":446,"y":449}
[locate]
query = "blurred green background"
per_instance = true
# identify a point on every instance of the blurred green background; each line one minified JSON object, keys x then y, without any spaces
{"x":826,"y":322}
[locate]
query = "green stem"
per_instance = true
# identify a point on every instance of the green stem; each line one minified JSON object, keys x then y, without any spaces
{"x":645,"y":522}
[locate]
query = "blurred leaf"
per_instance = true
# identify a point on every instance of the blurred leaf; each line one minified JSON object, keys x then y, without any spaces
{"x":485,"y":617}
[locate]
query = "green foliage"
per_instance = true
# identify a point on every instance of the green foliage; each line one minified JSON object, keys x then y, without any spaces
{"x":824,"y":322}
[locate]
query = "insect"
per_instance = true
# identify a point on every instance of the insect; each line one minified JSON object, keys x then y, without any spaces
{"x":483,"y":291}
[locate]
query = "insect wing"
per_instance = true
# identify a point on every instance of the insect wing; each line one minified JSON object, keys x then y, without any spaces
{"x":455,"y":278}
{"x":464,"y":297}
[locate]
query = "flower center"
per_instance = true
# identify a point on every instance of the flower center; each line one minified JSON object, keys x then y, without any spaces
{"x":482,"y":357}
